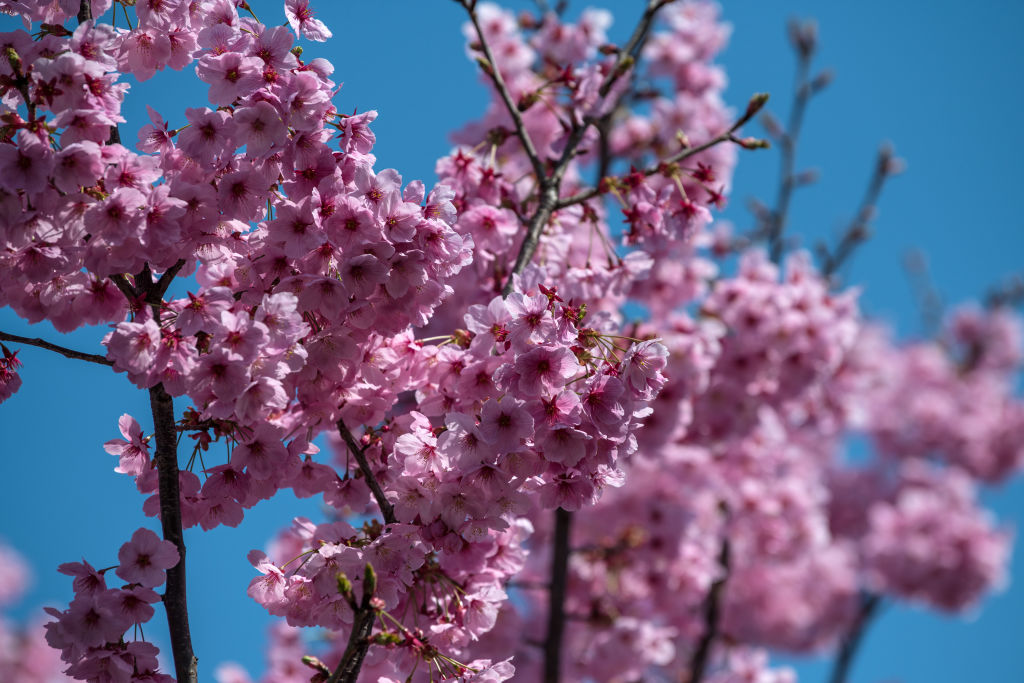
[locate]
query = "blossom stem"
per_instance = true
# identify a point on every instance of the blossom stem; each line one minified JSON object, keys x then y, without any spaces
{"x":66,"y":352}
{"x":848,"y":648}
{"x":712,"y":618}
{"x":359,"y":453}
{"x":556,"y":597}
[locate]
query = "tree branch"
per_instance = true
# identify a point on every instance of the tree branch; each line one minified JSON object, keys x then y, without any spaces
{"x":492,"y":70}
{"x":629,"y":53}
{"x":175,"y":601}
{"x":162,"y":407}
{"x":160,"y":287}
{"x":359,"y":453}
{"x":550,"y":185}
{"x":84,"y":11}
{"x":556,"y":597}
{"x":66,"y":352}
{"x":804,"y":39}
{"x":885,"y":166}
{"x":364,"y":617}
{"x":712,"y":609}
{"x":848,"y":649}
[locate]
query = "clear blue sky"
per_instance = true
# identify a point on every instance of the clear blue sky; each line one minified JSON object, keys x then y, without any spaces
{"x":941,"y":80}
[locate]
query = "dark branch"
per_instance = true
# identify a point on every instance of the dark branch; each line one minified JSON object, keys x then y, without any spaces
{"x":548,"y":201}
{"x":364,"y":617}
{"x":712,"y":618}
{"x":556,"y":598}
{"x":848,"y":648}
{"x":175,"y":601}
{"x":162,"y":406}
{"x":67,"y":353}
{"x":161,"y":286}
{"x":121,"y":282}
{"x":359,"y":453}
{"x":84,"y":11}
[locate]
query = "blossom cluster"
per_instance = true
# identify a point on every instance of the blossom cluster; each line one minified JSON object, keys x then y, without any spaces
{"x":457,"y":371}
{"x":90,"y":633}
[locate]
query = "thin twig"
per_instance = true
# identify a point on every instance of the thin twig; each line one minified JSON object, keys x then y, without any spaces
{"x":66,"y":352}
{"x":756,"y":102}
{"x":492,"y":70}
{"x":359,"y":453}
{"x":603,"y":124}
{"x":848,"y":648}
{"x":631,"y":50}
{"x":556,"y":598}
{"x":712,"y":618}
{"x":787,"y":144}
{"x":857,"y":232}
{"x":1006,"y":294}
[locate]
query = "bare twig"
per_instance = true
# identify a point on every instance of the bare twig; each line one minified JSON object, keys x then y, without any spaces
{"x":804,"y":39}
{"x":66,"y":352}
{"x":631,"y":50}
{"x":858,"y":231}
{"x":359,"y":453}
{"x":929,"y":300}
{"x":364,"y":617}
{"x":848,"y":648}
{"x":712,"y":609}
{"x":556,"y":597}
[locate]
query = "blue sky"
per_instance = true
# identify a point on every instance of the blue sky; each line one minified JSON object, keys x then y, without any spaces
{"x":940,"y":80}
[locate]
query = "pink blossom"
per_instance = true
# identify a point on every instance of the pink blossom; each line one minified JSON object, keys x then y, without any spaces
{"x":231,"y":76}
{"x":504,"y":424}
{"x":145,"y":558}
{"x":133,"y":453}
{"x":300,"y":18}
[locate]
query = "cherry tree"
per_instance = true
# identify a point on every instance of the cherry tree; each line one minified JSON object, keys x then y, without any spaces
{"x":523,"y":475}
